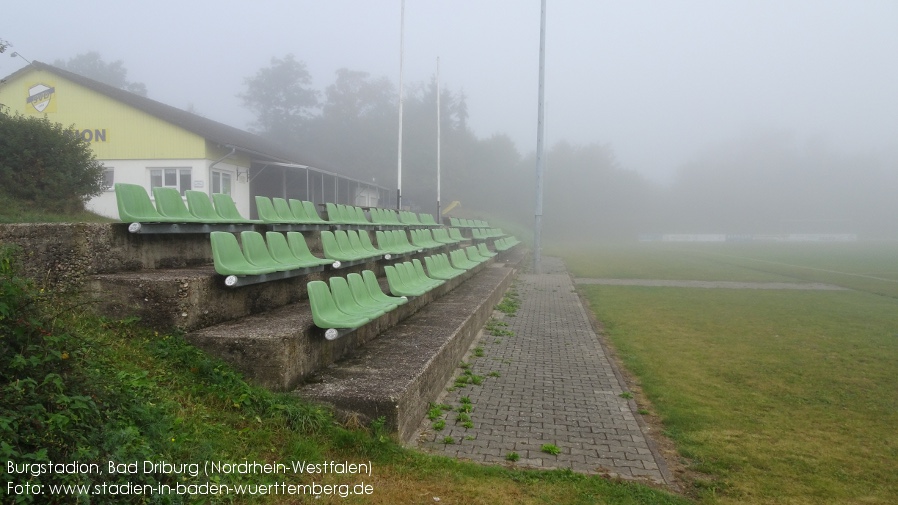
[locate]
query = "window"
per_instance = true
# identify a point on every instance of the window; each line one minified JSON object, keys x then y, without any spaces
{"x":178,"y":178}
{"x":108,"y":178}
{"x":221,"y":182}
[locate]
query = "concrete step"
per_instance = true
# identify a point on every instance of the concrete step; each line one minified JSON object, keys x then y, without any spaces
{"x":192,"y":298}
{"x":398,"y":374}
{"x":280,"y":348}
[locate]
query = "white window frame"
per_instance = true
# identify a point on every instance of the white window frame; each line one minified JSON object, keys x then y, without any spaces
{"x":171,"y":177}
{"x":219,"y":178}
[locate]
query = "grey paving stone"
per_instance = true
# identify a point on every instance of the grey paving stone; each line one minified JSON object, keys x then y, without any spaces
{"x":555,"y":386}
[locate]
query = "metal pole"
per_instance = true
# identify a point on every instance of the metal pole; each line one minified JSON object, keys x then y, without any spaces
{"x":399,"y":157}
{"x":439,"y":216}
{"x":540,"y":166}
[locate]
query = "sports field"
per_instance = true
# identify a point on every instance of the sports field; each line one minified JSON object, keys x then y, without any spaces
{"x":769,"y":395}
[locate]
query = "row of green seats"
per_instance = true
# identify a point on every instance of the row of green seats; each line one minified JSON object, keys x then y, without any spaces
{"x":337,"y":213}
{"x":390,"y":217}
{"x":439,"y":267}
{"x":135,"y":206}
{"x":467,"y":223}
{"x":504,"y":244}
{"x":485,"y":233}
{"x":395,"y":242}
{"x":258,"y":256}
{"x":348,"y":303}
{"x":281,"y":211}
{"x":384,"y":217}
{"x":409,"y":279}
{"x":423,"y":239}
{"x":350,"y":246}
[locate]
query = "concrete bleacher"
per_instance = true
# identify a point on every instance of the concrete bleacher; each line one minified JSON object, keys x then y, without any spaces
{"x":265,"y":330}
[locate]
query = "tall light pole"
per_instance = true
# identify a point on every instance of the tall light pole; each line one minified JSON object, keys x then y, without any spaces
{"x":540,"y":155}
{"x":399,"y":157}
{"x":439,"y":216}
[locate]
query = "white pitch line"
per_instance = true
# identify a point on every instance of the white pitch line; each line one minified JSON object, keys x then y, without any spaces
{"x":816,"y":286}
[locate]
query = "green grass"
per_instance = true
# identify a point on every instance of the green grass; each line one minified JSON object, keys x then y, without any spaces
{"x":777,"y":396}
{"x":15,"y":211}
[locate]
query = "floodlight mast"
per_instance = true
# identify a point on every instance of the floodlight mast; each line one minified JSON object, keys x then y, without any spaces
{"x":399,"y":157}
{"x":439,"y":216}
{"x":540,"y":156}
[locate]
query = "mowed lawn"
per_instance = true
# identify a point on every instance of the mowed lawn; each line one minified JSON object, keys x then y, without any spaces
{"x":778,"y":396}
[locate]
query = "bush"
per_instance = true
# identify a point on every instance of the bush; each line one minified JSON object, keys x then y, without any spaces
{"x":51,"y":410}
{"x":46,"y":165}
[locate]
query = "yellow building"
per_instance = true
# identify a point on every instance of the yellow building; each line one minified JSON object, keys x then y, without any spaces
{"x":142,"y":141}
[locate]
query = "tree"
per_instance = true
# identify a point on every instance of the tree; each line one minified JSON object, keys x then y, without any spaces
{"x":281,"y":99}
{"x":356,"y":129}
{"x":46,"y":164}
{"x":91,"y":65}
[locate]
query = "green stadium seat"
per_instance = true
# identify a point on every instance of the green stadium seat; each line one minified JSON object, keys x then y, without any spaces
{"x":360,"y":215}
{"x":397,"y":283}
{"x":369,"y":246}
{"x":352,"y":246}
{"x":459,"y":259}
{"x":401,"y":240}
{"x":170,"y":205}
{"x":229,"y":259}
{"x":284,"y":212}
{"x":256,"y":251}
{"x":266,"y":210}
{"x":357,"y":244}
{"x":333,"y":250}
{"x":300,"y":249}
{"x":346,"y":302}
{"x":200,"y":206}
{"x":484,"y":250}
{"x":474,"y":255}
{"x":437,"y":269}
{"x":373,"y":287}
{"x":325,"y":313}
{"x":411,"y":279}
{"x":422,"y":239}
{"x":455,"y":233}
{"x":334,"y":216}
{"x":280,"y":251}
{"x":427,"y":219}
{"x":364,"y":298}
{"x":312,"y":213}
{"x":227,"y":209}
{"x":135,"y":206}
{"x":422,"y":275}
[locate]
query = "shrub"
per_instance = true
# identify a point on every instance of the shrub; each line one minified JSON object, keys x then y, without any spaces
{"x":46,"y":164}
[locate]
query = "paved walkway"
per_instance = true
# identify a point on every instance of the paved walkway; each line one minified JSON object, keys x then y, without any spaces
{"x":549,"y":383}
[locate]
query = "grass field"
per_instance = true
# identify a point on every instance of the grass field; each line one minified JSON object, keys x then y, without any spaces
{"x":775,"y":396}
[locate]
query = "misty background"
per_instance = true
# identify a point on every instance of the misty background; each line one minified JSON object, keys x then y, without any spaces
{"x":662,"y":117}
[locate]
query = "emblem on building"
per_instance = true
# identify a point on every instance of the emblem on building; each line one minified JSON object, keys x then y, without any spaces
{"x":40,"y":96}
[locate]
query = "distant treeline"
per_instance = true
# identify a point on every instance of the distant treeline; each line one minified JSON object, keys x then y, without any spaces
{"x":765,"y":183}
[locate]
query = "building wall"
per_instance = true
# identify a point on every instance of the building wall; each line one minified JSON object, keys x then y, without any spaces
{"x":126,"y":140}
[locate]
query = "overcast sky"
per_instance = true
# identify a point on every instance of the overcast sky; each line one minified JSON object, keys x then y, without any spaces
{"x":657,"y":80}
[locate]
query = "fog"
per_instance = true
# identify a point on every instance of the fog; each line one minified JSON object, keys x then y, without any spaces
{"x":689,"y":116}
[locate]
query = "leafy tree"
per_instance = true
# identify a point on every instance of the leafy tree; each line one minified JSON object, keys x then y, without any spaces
{"x":91,"y":65}
{"x":280,"y":97}
{"x":356,"y":129}
{"x":45,"y":164}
